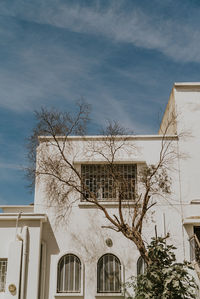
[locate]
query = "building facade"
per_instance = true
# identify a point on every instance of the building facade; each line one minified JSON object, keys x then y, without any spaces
{"x":57,"y":250}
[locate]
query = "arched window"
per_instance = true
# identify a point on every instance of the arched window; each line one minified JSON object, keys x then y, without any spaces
{"x":108,"y":274}
{"x":141,"y":266}
{"x":69,"y":274}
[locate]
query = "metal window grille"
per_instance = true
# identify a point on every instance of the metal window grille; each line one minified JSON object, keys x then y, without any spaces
{"x":141,"y":266}
{"x":108,"y":274}
{"x":194,"y":249}
{"x":108,"y":182}
{"x":69,"y":274}
{"x":3,"y":272}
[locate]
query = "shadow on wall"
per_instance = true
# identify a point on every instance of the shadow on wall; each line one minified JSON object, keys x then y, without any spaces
{"x":52,"y":249}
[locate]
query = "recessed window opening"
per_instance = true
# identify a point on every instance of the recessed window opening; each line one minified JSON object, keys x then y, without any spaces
{"x":108,"y":274}
{"x":69,"y":274}
{"x":109,"y":182}
{"x":195,"y":245}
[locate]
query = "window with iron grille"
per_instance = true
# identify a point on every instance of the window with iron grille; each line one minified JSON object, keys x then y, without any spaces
{"x":109,"y":182}
{"x":108,"y":274}
{"x":3,"y":272}
{"x":69,"y":274}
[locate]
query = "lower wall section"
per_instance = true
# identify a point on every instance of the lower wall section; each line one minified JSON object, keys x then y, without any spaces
{"x":13,"y":270}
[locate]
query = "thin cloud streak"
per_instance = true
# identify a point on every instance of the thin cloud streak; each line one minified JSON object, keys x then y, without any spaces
{"x":113,"y":109}
{"x":177,"y":40}
{"x":63,"y":74}
{"x":43,"y":78}
{"x":121,"y":56}
{"x":10,"y":166}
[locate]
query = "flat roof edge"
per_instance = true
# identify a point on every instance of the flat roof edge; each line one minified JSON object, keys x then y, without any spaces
{"x":187,"y":84}
{"x":16,"y":206}
{"x":23,"y":216}
{"x":101,"y":137}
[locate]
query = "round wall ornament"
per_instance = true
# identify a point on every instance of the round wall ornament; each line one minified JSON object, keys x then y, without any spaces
{"x":12,"y":288}
{"x":109,"y":242}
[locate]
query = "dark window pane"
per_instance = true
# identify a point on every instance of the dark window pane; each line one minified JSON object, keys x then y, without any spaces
{"x":69,"y":274}
{"x":108,"y":274}
{"x":140,"y":266}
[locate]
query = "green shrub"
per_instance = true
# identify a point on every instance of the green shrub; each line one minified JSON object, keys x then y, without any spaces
{"x":164,"y":278}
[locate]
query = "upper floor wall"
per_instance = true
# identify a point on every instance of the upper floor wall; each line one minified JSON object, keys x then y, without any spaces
{"x":181,"y":118}
{"x":79,"y":151}
{"x":83,"y":221}
{"x":184,"y":104}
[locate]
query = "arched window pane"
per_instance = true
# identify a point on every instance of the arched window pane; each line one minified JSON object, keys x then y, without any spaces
{"x":141,"y":266}
{"x":69,"y":274}
{"x":109,"y":274}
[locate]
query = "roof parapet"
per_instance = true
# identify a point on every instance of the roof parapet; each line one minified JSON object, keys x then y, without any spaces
{"x":101,"y":137}
{"x":186,"y":84}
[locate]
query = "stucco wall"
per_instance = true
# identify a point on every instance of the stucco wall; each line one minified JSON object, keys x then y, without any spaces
{"x":79,"y":230}
{"x":8,"y":236}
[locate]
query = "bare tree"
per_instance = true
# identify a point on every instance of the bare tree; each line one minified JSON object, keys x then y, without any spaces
{"x":56,"y":167}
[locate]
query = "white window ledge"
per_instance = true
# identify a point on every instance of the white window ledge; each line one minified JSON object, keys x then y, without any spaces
{"x":192,"y":220}
{"x":68,"y":295}
{"x":107,"y":204}
{"x":195,"y":202}
{"x":105,"y":295}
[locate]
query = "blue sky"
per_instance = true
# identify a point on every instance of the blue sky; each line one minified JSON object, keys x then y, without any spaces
{"x":122,"y":56}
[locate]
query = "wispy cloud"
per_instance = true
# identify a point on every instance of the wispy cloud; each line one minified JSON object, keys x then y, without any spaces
{"x":10,"y":166}
{"x":58,"y":77}
{"x":121,"y":56}
{"x":42,"y":78}
{"x":45,"y":68}
{"x":171,"y":36}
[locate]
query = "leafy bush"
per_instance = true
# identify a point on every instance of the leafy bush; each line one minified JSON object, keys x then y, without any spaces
{"x":164,"y":278}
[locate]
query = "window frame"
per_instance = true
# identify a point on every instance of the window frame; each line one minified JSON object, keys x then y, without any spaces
{"x":110,"y":293}
{"x":113,"y":200}
{"x":5,"y":275}
{"x":82,"y":268}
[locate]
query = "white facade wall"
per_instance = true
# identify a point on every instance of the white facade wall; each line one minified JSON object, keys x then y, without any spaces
{"x":81,"y":232}
{"x":10,"y":244}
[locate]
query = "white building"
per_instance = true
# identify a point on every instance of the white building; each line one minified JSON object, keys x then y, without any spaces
{"x":41,"y":258}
